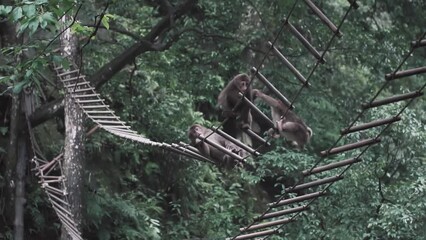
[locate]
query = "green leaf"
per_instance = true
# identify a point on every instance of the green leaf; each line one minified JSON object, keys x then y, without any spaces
{"x":29,"y":10}
{"x":48,"y":16}
{"x":43,"y":24}
{"x":5,"y":10}
{"x":4,"y":79}
{"x":33,"y":25}
{"x":28,"y":73}
{"x":40,"y":2}
{"x":57,"y":59}
{"x":17,"y":14}
{"x":3,"y":130}
{"x":18,"y":87}
{"x":23,"y":26}
{"x":105,"y":22}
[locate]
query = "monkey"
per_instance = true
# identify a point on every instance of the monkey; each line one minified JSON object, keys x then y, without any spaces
{"x":232,"y":107}
{"x":289,"y":126}
{"x":209,"y":151}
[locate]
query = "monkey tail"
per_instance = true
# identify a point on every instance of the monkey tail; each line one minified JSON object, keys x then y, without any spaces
{"x":310,"y":132}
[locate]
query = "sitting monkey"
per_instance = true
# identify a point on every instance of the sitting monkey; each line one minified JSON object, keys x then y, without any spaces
{"x":222,"y":159}
{"x":237,"y":112}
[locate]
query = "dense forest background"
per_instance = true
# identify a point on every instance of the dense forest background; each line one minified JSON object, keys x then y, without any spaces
{"x":161,"y":65}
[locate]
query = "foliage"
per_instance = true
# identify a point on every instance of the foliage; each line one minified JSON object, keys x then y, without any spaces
{"x":140,"y":192}
{"x":124,"y":216}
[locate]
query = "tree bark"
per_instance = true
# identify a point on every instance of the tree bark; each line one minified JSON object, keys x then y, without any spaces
{"x":47,"y":111}
{"x":74,"y":139}
{"x":21,"y":167}
{"x":8,"y":39}
{"x":12,"y":155}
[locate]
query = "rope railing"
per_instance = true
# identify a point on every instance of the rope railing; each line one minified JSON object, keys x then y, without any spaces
{"x":52,"y":180}
{"x":327,"y":182}
{"x":305,"y":83}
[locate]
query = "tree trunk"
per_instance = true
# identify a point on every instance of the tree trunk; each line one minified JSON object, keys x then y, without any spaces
{"x":74,"y":139}
{"x":8,"y":38}
{"x":20,"y":200}
{"x":16,"y":163}
{"x":12,"y":155}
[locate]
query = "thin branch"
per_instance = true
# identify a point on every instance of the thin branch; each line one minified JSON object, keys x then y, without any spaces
{"x":59,"y":34}
{"x":115,"y":29}
{"x":98,"y":24}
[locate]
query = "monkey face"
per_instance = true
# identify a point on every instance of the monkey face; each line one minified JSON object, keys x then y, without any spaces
{"x":194,"y":132}
{"x":241,"y":81}
{"x":243,"y":85}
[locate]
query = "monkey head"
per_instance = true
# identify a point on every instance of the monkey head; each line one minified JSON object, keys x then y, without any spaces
{"x":194,"y":132}
{"x":242,"y":81}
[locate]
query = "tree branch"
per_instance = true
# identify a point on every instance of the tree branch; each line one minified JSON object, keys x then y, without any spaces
{"x":119,"y":30}
{"x":47,"y":111}
{"x":105,"y":73}
{"x":146,"y":44}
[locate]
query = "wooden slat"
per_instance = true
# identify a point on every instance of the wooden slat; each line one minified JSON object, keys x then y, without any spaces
{"x":69,"y":79}
{"x":314,"y":183}
{"x":89,"y":101}
{"x":350,"y":146}
{"x":305,"y":42}
{"x":331,"y":166}
{"x":73,"y":85}
{"x":67,"y":73}
{"x":271,"y":87}
{"x":192,"y":148}
{"x":255,"y":136}
{"x":418,"y":43}
{"x":121,"y":130}
{"x":111,"y":122}
{"x":282,"y":212}
{"x":288,"y":64}
{"x":405,"y":73}
{"x":82,"y":90}
{"x":85,"y":95}
{"x":267,"y":224}
{"x":323,"y":18}
{"x":68,"y":223}
{"x":115,"y":126}
{"x":103,"y":117}
{"x":296,"y":199}
{"x":94,"y":106}
{"x":59,"y":199}
{"x":191,"y":153}
{"x":392,"y":99}
{"x":254,"y":108}
{"x":369,"y":125}
{"x":257,"y":234}
{"x":89,"y":112}
{"x":237,"y":142}
{"x":220,"y":148}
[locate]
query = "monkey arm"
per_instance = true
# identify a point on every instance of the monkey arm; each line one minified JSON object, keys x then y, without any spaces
{"x":271,"y":101}
{"x":203,"y":146}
